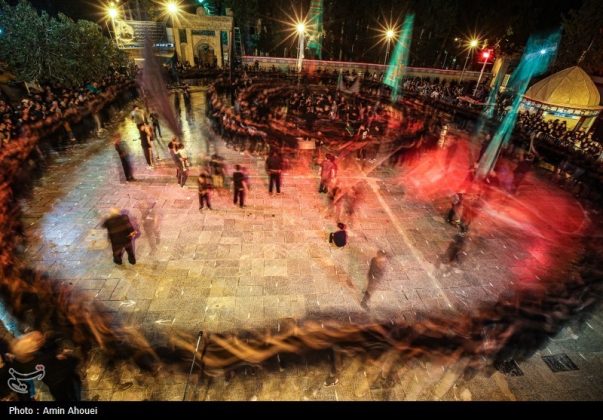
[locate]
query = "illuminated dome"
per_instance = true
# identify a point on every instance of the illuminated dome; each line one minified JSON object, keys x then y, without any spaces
{"x":571,"y":88}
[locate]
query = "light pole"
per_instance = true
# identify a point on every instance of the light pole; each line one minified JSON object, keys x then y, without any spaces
{"x":172,"y":9}
{"x":389,"y":35}
{"x":301,"y":32}
{"x":485,"y":56}
{"x":113,"y":13}
{"x":472,"y":44}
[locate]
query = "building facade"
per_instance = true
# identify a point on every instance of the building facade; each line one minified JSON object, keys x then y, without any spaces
{"x":200,"y":39}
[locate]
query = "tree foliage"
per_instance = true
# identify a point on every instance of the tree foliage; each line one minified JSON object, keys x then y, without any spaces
{"x":54,"y":50}
{"x":582,"y":39}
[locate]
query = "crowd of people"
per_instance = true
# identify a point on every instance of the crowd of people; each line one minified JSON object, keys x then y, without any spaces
{"x":365,"y":126}
{"x":44,"y":110}
{"x":555,"y":133}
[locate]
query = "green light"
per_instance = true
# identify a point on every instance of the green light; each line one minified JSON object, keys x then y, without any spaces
{"x":533,"y":63}
{"x":399,"y":61}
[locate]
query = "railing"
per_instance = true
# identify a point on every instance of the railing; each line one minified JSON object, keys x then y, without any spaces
{"x":310,"y":65}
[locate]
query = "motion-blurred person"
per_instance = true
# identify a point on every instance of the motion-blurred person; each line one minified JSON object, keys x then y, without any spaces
{"x":138,"y":116}
{"x":521,"y":170}
{"x":156,"y":125}
{"x":150,"y":225}
{"x":183,"y":164}
{"x":61,"y":362}
{"x":328,"y":171}
{"x":146,"y":144}
{"x":340,"y":237}
{"x":121,"y":235}
{"x":218,"y":175}
{"x":375,"y":274}
{"x":240,"y":186}
{"x":172,"y":147}
{"x":457,"y":245}
{"x":454,"y":214}
{"x":274,"y":167}
{"x":205,"y":187}
{"x":124,"y":157}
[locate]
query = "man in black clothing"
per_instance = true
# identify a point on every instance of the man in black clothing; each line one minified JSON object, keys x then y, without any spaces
{"x":124,"y":157}
{"x":121,"y":233}
{"x":274,"y":167}
{"x":239,"y":182}
{"x":156,"y":126}
{"x":62,"y":378}
{"x":339,"y":238}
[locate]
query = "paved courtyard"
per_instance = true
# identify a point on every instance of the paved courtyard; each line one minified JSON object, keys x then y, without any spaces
{"x":231,"y":268}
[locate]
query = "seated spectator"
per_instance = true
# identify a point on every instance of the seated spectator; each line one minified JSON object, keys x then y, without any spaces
{"x":340,"y":237}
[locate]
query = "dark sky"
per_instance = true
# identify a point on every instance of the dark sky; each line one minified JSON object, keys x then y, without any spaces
{"x":77,"y":9}
{"x":548,"y":13}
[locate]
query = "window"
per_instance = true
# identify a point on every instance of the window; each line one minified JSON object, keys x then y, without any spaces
{"x":182,"y":34}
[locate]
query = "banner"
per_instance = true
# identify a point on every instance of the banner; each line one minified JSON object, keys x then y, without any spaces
{"x":132,"y":34}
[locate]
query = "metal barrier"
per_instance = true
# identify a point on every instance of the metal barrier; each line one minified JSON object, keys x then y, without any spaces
{"x":289,"y":64}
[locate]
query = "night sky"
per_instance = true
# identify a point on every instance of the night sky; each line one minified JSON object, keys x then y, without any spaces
{"x":549,"y":14}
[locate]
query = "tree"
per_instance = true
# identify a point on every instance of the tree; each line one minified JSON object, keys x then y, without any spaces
{"x":54,"y":50}
{"x":582,"y":38}
{"x":24,"y":40}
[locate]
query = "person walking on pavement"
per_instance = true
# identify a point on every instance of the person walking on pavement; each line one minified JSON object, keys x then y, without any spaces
{"x":183,"y":164}
{"x":146,"y":144}
{"x":124,"y":157}
{"x":172,"y":145}
{"x":240,"y":186}
{"x":121,"y":235}
{"x":154,"y":149}
{"x":328,"y":171}
{"x":138,"y":116}
{"x":375,"y":274}
{"x":156,"y":126}
{"x":456,"y":210}
{"x":205,"y":187}
{"x":150,"y":225}
{"x":274,"y":167}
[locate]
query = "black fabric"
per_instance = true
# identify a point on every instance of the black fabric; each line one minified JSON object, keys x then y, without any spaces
{"x":238,"y":179}
{"x":274,"y":163}
{"x":119,"y":229}
{"x":147,"y":154}
{"x":275,"y":180}
{"x":339,"y":238}
{"x":239,"y":197}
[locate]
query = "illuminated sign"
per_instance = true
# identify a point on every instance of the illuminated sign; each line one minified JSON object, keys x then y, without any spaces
{"x":132,"y":33}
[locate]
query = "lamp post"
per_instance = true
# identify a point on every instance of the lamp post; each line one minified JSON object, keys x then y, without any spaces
{"x":472,"y":44}
{"x":301,"y":31}
{"x":389,"y":35}
{"x":485,"y":56}
{"x":172,"y":8}
{"x":113,"y":13}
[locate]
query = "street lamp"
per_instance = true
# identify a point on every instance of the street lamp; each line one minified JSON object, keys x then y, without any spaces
{"x":389,"y":35}
{"x":172,"y":8}
{"x":485,"y":56}
{"x":300,"y":28}
{"x":472,"y":45}
{"x":113,"y":13}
